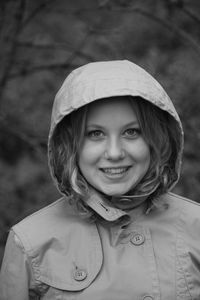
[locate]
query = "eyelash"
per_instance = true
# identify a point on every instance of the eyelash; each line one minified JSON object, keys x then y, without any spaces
{"x":93,"y":133}
{"x":136,"y":131}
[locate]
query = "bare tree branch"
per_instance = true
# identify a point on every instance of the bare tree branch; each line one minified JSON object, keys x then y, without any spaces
{"x":2,"y":12}
{"x":68,"y":63}
{"x":55,"y":46}
{"x":34,"y":143}
{"x":80,"y":46}
{"x":47,"y":67}
{"x":65,"y":65}
{"x":191,"y":14}
{"x":171,"y":27}
{"x":10,"y":57}
{"x":35,"y":12}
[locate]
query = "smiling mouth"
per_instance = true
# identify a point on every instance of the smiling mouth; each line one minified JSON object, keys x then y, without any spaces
{"x":115,"y":171}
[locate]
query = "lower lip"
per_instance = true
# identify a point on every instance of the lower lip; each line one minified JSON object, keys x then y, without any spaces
{"x":116,"y":175}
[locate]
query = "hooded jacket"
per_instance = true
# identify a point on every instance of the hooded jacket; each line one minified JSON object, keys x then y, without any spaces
{"x":152,"y":254}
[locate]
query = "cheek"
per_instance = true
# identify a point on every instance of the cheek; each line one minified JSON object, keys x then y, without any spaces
{"x":89,"y":154}
{"x":141,"y":152}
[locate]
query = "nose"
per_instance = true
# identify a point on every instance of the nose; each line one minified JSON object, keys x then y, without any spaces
{"x":114,"y":150}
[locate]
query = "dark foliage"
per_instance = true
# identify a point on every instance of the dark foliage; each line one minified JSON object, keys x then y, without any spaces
{"x":43,"y":40}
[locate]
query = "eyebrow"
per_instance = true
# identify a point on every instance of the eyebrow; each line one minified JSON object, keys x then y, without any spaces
{"x":133,"y":123}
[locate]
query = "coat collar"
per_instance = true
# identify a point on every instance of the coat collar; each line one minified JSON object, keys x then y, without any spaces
{"x":110,"y":213}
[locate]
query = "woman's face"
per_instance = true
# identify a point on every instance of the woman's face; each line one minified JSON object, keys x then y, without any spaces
{"x":114,"y":156}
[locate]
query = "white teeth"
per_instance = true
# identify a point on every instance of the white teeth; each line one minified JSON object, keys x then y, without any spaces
{"x":114,"y":170}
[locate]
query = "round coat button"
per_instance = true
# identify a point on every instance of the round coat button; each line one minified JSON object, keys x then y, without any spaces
{"x":80,"y":274}
{"x":137,"y":239}
{"x":148,"y":298}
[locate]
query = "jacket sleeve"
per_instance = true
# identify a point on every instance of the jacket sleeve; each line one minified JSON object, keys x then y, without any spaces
{"x":15,"y":271}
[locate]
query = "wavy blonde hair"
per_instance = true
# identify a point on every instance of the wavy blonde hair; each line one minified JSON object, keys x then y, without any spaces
{"x":159,"y":130}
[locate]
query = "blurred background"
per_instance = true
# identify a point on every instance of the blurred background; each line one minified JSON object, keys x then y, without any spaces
{"x":41,"y":41}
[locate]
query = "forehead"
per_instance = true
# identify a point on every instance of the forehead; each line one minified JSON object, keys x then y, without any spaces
{"x":117,"y":109}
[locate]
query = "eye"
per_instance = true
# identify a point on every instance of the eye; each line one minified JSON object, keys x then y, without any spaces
{"x":132,"y":132}
{"x":95,"y":134}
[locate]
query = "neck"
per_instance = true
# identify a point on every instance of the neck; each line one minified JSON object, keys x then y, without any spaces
{"x":128,"y":202}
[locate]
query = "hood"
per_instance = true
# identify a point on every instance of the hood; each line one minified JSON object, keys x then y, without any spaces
{"x":107,"y":79}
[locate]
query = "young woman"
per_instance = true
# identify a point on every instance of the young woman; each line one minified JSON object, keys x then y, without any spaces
{"x":117,"y":233}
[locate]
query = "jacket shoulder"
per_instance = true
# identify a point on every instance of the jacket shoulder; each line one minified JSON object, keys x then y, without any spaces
{"x":50,"y":238}
{"x":189,"y":210}
{"x":52,"y":221}
{"x":183,"y":202}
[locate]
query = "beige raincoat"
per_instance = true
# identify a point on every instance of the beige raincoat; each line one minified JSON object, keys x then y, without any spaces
{"x":153,"y":254}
